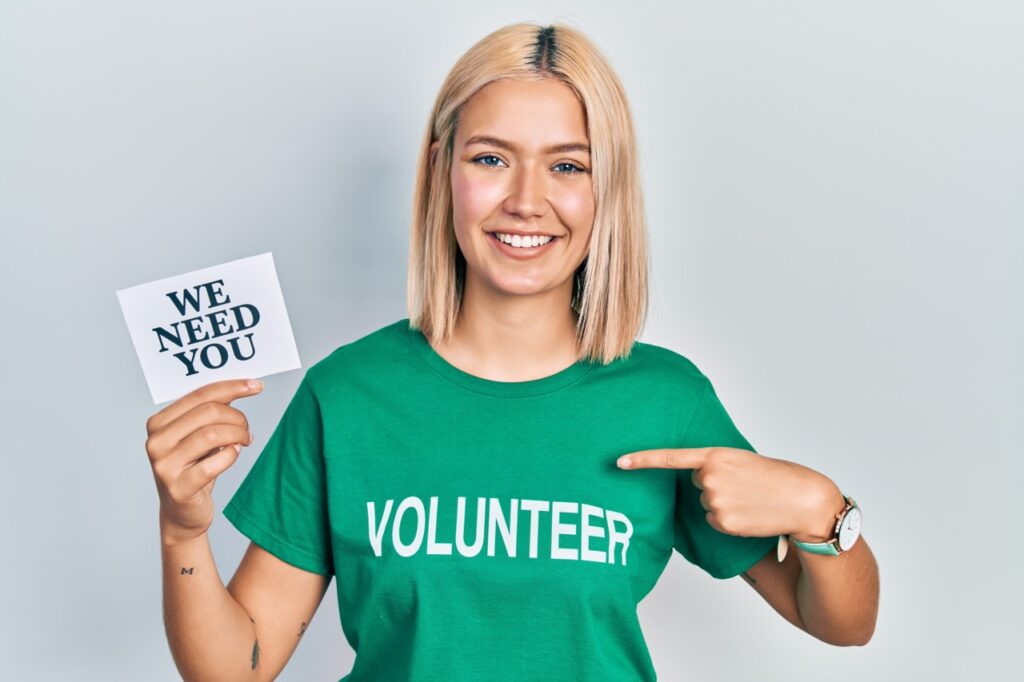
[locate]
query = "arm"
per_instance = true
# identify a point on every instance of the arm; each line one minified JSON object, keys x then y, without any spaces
{"x":833,"y":598}
{"x":210,"y":635}
{"x":281,"y":599}
{"x":246,"y":631}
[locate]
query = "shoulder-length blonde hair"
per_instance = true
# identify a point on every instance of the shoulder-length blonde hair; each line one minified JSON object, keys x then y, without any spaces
{"x":610,"y":286}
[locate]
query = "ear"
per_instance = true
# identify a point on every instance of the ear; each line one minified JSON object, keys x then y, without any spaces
{"x":434,"y":146}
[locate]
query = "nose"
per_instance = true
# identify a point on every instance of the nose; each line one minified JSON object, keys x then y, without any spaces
{"x":526,"y":196}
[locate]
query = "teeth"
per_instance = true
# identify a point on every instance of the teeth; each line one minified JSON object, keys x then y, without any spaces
{"x":522,"y":242}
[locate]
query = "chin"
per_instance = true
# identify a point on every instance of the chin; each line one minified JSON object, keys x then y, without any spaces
{"x":520,"y":291}
{"x":518,"y":288}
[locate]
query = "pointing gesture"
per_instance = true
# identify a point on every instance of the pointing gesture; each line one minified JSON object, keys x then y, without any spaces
{"x":749,"y":494}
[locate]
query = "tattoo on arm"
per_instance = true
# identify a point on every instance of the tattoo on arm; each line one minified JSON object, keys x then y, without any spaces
{"x":749,"y":579}
{"x":255,"y":648}
{"x":186,"y":571}
{"x":303,"y":629}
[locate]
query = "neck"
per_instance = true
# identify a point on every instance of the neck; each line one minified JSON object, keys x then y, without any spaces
{"x":505,"y":337}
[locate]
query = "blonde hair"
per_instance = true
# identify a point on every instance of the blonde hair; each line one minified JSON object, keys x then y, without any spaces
{"x":610,"y":286}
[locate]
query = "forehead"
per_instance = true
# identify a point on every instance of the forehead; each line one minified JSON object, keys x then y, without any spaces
{"x":528,"y":113}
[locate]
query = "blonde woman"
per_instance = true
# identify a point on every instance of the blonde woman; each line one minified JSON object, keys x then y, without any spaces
{"x":461,"y":471}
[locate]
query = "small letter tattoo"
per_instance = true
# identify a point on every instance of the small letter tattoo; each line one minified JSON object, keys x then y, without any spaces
{"x":186,"y":570}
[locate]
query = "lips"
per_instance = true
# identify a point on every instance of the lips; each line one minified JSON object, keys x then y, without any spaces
{"x":520,"y":252}
{"x":521,"y":234}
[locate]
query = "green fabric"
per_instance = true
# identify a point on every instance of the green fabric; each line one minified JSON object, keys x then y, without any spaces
{"x":546,"y":586}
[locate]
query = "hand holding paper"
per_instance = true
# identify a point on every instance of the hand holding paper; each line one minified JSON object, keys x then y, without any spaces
{"x":190,"y":443}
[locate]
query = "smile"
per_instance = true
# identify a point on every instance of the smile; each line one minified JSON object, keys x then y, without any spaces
{"x":521,"y":247}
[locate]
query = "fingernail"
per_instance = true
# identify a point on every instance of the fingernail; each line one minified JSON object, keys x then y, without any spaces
{"x":255,"y":384}
{"x":238,"y":448}
{"x":624,"y":462}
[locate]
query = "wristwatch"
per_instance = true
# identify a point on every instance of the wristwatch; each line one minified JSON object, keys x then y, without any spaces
{"x":844,"y":535}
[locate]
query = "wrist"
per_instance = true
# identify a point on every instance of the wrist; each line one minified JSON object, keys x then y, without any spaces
{"x":822,"y":520}
{"x":172,"y":535}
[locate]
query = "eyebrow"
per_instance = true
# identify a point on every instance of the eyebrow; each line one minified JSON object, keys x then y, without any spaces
{"x":553,"y":149}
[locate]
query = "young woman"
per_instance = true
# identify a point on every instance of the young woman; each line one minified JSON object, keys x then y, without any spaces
{"x":462,"y":471}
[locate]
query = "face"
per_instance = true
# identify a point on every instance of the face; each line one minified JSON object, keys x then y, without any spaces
{"x":521,"y":169}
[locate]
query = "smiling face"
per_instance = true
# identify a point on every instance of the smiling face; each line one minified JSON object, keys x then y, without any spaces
{"x":521,"y":166}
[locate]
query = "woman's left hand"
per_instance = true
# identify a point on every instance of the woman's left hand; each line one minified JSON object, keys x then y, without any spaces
{"x":749,"y":494}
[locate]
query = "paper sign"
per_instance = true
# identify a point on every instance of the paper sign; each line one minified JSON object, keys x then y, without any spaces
{"x":223,"y":322}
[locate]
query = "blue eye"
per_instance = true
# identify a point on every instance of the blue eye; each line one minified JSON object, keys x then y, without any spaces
{"x":569,"y":168}
{"x":575,"y":169}
{"x":486,"y":156}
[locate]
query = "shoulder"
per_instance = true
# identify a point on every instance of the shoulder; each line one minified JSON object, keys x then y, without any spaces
{"x":362,"y":356}
{"x":665,"y":361}
{"x":662,"y":372}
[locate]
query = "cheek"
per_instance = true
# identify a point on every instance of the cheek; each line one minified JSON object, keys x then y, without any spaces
{"x":473,"y":198}
{"x":577,"y":208}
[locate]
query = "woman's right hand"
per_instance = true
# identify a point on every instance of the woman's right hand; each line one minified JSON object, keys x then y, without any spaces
{"x":191,"y":442}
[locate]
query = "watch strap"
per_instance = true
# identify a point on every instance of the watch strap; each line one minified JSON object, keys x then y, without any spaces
{"x":818,"y":547}
{"x":831,"y":546}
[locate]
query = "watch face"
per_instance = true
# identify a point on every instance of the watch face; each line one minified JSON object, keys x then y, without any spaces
{"x":850,"y":530}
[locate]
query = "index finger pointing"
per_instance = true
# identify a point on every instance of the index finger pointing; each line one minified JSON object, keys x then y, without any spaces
{"x":665,"y":458}
{"x":218,"y":391}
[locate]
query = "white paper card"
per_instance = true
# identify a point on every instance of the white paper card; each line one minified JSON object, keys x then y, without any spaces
{"x":227,"y":321}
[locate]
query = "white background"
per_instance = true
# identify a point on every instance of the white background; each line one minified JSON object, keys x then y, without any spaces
{"x":834,"y":202}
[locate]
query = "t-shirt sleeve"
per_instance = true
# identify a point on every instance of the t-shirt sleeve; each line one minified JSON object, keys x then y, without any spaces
{"x":281,"y":504}
{"x":721,"y":555}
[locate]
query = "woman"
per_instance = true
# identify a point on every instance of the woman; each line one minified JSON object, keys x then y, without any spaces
{"x":459,"y":470}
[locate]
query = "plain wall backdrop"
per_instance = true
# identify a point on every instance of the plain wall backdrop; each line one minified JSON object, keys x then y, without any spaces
{"x":834,"y":201}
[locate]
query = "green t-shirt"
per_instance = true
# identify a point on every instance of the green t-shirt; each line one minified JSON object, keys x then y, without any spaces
{"x":481,"y":530}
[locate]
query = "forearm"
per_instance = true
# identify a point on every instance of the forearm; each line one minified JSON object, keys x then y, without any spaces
{"x":838,"y":595}
{"x":210,"y":635}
